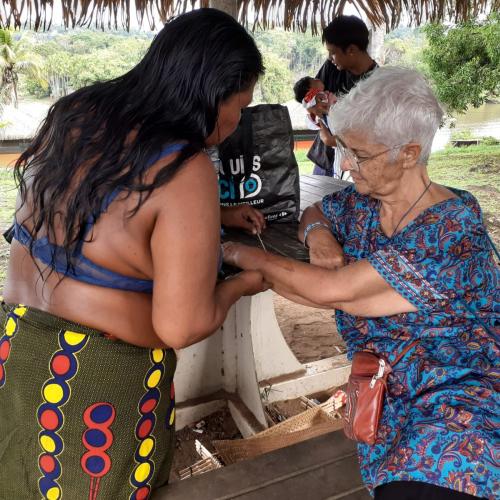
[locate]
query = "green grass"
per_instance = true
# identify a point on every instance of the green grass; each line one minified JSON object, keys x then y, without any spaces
{"x":450,"y":166}
{"x":475,"y":169}
{"x":306,"y":166}
{"x":8,"y":194}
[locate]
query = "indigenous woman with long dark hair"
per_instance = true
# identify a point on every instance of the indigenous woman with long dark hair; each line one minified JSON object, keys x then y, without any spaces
{"x":114,"y":263}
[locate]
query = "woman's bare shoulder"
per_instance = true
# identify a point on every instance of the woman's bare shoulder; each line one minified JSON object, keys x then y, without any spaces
{"x":195,"y":171}
{"x":192,"y":189}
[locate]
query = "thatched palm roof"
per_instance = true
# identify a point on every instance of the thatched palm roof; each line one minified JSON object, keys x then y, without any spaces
{"x":291,"y":14}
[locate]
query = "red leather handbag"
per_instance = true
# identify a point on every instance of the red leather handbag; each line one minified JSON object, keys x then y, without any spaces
{"x":366,"y":389}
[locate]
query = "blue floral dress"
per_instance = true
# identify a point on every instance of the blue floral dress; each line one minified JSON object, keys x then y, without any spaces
{"x":441,"y":422}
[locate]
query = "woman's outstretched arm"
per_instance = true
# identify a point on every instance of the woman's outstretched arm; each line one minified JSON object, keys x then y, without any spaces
{"x":188,"y":303}
{"x":357,"y":289}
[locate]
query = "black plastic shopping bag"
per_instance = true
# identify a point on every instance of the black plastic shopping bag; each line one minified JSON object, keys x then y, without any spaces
{"x":258,"y":166}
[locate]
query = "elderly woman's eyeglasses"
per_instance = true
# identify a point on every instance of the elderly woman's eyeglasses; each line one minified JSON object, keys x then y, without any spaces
{"x":354,"y":160}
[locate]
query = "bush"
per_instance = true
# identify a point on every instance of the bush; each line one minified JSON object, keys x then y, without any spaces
{"x":464,"y":62}
{"x":462,"y":135}
{"x":490,"y":141}
{"x":32,"y":87}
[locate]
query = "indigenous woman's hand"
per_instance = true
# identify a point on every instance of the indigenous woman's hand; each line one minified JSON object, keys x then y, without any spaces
{"x":242,"y":256}
{"x":245,"y":217}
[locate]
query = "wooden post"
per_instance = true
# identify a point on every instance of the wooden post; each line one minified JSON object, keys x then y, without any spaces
{"x":229,"y":6}
{"x":376,"y":43}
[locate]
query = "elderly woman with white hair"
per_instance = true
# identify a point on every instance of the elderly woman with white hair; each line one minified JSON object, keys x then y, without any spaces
{"x":409,"y":268}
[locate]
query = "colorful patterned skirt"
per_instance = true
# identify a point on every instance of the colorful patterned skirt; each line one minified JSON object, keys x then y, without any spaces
{"x":81,"y":416}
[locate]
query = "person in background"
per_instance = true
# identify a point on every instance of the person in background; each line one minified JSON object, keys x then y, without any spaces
{"x":114,"y":265}
{"x":346,"y":40}
{"x":309,"y":92}
{"x":406,"y":263}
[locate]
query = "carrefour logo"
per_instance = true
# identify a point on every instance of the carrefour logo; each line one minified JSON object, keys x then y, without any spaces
{"x":234,"y":188}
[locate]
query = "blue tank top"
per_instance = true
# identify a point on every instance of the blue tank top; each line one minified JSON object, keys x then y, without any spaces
{"x":84,"y":269}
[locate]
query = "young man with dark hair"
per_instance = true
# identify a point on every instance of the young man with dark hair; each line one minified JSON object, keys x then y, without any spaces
{"x":346,"y":30}
{"x":346,"y":39}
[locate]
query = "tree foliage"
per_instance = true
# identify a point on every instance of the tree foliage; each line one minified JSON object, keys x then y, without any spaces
{"x":82,"y":57}
{"x":404,"y":47}
{"x":16,"y":58}
{"x":464,"y":62}
{"x":288,"y":56}
{"x":276,"y":84}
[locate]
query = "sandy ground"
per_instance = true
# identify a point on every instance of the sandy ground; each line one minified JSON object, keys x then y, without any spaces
{"x":310,"y":333}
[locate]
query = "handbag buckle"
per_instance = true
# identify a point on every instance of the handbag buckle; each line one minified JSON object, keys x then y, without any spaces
{"x":379,"y":374}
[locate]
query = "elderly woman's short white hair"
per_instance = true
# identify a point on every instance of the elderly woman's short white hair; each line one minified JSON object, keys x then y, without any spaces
{"x":393,"y":106}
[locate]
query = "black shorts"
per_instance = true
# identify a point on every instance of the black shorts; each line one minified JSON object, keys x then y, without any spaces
{"x":414,"y":490}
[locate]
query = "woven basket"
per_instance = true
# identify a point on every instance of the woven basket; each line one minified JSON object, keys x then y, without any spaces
{"x":306,"y":425}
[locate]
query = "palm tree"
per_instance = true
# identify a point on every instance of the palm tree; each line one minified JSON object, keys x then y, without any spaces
{"x":16,"y":59}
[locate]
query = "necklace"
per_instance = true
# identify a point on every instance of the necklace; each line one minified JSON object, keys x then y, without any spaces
{"x":410,"y":209}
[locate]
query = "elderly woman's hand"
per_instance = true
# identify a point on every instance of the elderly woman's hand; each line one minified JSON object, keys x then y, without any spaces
{"x":324,"y":250}
{"x":242,"y":256}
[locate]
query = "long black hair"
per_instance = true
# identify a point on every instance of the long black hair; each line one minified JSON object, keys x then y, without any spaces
{"x":104,"y":136}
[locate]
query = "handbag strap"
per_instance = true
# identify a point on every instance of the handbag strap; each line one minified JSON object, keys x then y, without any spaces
{"x":410,"y":346}
{"x":495,"y":249}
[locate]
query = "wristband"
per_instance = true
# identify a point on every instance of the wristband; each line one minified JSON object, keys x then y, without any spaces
{"x":311,"y":227}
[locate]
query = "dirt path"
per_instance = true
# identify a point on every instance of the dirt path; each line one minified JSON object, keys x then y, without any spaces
{"x":310,"y":333}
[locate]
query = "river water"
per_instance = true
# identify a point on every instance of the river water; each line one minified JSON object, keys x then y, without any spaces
{"x":482,"y":121}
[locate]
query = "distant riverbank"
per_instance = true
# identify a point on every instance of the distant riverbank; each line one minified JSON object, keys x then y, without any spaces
{"x":481,"y":122}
